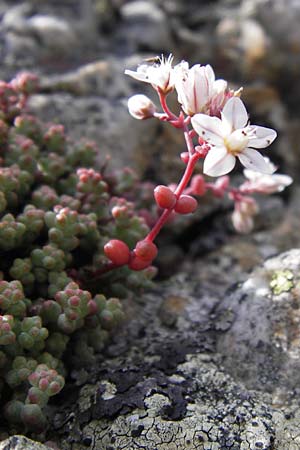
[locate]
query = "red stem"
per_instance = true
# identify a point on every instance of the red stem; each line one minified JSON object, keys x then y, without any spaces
{"x":188,"y":140}
{"x":104,"y":269}
{"x":194,"y":156}
{"x":163,"y":101}
{"x":178,"y":191}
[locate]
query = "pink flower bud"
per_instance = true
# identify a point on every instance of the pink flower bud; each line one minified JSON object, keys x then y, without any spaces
{"x":222,"y":182}
{"x":146,"y":250}
{"x":242,"y":216}
{"x":119,"y":211}
{"x":198,"y":185}
{"x":248,"y":206}
{"x":137,"y":263}
{"x":117,"y":251}
{"x":186,"y":204}
{"x":242,"y":222}
{"x":185,"y":157}
{"x":164,"y":197}
{"x":141,"y":107}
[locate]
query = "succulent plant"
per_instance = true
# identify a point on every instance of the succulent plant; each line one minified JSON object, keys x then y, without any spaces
{"x":57,"y":214}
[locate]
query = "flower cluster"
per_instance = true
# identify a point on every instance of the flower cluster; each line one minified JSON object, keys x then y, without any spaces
{"x":217,"y":130}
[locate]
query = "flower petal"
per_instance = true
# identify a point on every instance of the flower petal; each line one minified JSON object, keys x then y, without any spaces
{"x":139,"y":75}
{"x":262,"y":136}
{"x":219,"y":86}
{"x":253,"y":175}
{"x":282,"y":181}
{"x":253,"y":160}
{"x":235,"y":113}
{"x":200,"y":87}
{"x":210,"y":128}
{"x":218,"y":162}
{"x":210,"y":74}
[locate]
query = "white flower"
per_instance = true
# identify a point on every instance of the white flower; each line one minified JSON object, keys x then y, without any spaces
{"x":264,"y":183}
{"x":160,"y":74}
{"x":141,"y":107}
{"x":194,"y":87}
{"x":199,"y":91}
{"x":231,"y":137}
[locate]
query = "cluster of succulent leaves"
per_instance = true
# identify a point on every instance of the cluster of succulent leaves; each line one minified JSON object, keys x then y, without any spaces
{"x":59,"y":206}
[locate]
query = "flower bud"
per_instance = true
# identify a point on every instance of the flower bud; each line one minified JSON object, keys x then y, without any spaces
{"x":220,"y":186}
{"x":141,"y":107}
{"x":198,"y":185}
{"x":249,"y":206}
{"x":137,"y":263}
{"x":185,"y":157}
{"x":265,"y":183}
{"x":117,"y":251}
{"x":164,"y":197}
{"x":146,"y":250}
{"x":242,"y":216}
{"x":186,"y":204}
{"x":243,"y":223}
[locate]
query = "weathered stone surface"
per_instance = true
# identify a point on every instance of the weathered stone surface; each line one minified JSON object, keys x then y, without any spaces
{"x":21,"y":443}
{"x":104,"y":121}
{"x":198,"y":380}
{"x":147,"y":26}
{"x":264,"y":340}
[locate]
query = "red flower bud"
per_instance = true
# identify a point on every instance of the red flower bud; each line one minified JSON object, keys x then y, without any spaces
{"x":198,"y":185}
{"x":117,"y":251}
{"x":137,"y":263}
{"x":186,"y":204}
{"x":146,"y":250}
{"x":164,"y":197}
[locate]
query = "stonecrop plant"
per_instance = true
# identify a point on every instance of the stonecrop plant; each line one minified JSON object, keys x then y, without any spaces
{"x":217,"y":132}
{"x":76,"y":237}
{"x":59,"y":205}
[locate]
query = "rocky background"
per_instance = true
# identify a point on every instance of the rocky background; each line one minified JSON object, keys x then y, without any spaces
{"x":210,"y":358}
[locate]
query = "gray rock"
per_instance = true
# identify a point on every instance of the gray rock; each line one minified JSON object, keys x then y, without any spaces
{"x":146,"y":26}
{"x":35,"y":32}
{"x":21,"y":443}
{"x":53,"y":32}
{"x":262,"y":347}
{"x":232,"y":419}
{"x":100,"y":78}
{"x":189,"y":382}
{"x":102,"y":120}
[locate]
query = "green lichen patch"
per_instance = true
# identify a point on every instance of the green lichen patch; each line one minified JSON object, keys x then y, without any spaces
{"x":282,"y":281}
